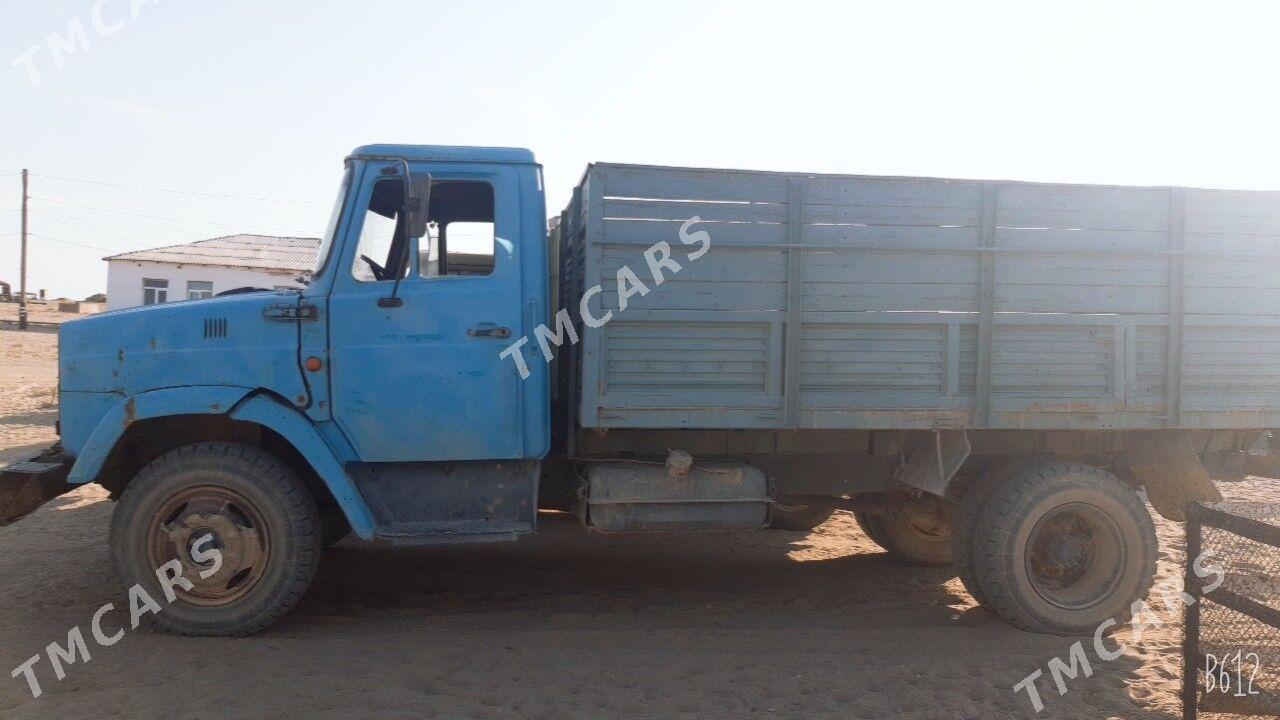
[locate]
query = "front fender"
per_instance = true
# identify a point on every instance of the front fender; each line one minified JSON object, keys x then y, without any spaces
{"x":221,"y":400}
{"x":302,"y":434}
{"x":194,"y":400}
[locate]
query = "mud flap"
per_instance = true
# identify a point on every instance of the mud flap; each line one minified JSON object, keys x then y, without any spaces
{"x":26,"y":486}
{"x":1170,"y":469}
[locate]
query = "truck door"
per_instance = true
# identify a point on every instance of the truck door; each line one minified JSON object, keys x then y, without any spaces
{"x":419,"y":378}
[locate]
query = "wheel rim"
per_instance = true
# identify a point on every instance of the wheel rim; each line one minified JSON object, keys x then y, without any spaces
{"x":1075,"y":556}
{"x":200,"y":520}
{"x":924,"y":518}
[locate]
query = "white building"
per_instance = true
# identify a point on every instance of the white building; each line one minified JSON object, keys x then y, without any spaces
{"x":207,"y":267}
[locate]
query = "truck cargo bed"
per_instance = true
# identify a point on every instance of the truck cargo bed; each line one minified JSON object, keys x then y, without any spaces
{"x":831,"y":301}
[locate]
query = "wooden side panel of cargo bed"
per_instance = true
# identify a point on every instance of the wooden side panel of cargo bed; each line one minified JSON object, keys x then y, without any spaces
{"x":877,"y":302}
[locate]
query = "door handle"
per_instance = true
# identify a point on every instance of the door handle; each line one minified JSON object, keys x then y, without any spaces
{"x":488,"y":330}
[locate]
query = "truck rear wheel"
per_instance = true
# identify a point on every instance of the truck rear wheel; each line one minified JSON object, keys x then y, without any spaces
{"x":799,"y":517}
{"x":973,"y":500}
{"x":233,"y":512}
{"x":917,"y":531}
{"x":1062,"y":547}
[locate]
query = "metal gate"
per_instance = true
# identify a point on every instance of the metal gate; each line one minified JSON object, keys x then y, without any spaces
{"x":1231,"y":634}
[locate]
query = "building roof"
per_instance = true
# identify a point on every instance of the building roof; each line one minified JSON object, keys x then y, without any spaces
{"x":257,"y":252}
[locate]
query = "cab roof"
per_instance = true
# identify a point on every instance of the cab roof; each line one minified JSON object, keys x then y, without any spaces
{"x":447,"y":153}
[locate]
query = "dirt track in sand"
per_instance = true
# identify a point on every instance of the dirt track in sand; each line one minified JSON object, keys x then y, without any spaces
{"x":562,"y":625}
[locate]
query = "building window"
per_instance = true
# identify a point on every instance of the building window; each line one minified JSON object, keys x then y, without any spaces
{"x":154,"y":292}
{"x":199,"y":289}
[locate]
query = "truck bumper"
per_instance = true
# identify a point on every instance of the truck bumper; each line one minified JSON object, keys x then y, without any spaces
{"x":25,"y":486}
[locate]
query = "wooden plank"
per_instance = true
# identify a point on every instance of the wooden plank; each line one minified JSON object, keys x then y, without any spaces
{"x":795,"y":301}
{"x":687,"y":184}
{"x":1176,"y":306}
{"x":1232,"y":203}
{"x":1009,"y":217}
{"x":705,"y":211}
{"x":1082,"y":270}
{"x":592,"y":366}
{"x":892,"y":236}
{"x":1071,"y":299}
{"x":682,"y":295}
{"x":839,"y":266}
{"x":892,"y":215}
{"x":648,"y":232}
{"x":1213,"y":301}
{"x":1243,"y":245}
{"x":1233,"y":225}
{"x":1069,"y":197}
{"x":852,"y":297}
{"x":723,"y":264}
{"x":951,"y":381}
{"x":986,"y":305}
{"x":1059,"y":240}
{"x":1227,"y":273}
{"x":900,"y":192}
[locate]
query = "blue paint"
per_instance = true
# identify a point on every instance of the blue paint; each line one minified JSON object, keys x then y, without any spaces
{"x":194,"y":400}
{"x":397,"y":384}
{"x":303,"y":435}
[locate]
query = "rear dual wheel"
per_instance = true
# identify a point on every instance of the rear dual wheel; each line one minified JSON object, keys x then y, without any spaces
{"x":1059,"y":548}
{"x":240,"y":523}
{"x":916,"y":530}
{"x":799,"y":515}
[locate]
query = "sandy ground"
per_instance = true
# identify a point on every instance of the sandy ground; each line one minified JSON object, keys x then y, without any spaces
{"x":562,"y":625}
{"x":36,"y":313}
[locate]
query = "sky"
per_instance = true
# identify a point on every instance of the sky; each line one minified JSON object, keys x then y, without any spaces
{"x":235,"y":115}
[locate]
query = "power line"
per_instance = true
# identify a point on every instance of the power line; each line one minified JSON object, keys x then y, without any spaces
{"x":161,"y":217}
{"x":95,"y":221}
{"x":86,"y":226}
{"x":68,"y":242}
{"x":182,"y":192}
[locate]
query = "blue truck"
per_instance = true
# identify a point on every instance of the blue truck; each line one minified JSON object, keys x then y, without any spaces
{"x":995,"y":376}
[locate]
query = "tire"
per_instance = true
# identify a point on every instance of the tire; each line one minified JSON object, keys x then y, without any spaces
{"x":973,"y":499}
{"x":235,"y":497}
{"x":806,"y":517}
{"x":1062,"y":547}
{"x":906,"y":540}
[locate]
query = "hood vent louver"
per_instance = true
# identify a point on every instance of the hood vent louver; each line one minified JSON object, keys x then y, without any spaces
{"x":215,"y":328}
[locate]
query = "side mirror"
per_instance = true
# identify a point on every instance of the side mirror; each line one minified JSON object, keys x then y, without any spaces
{"x":417,"y":205}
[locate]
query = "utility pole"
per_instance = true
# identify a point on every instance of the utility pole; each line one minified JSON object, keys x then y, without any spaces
{"x":22,"y":273}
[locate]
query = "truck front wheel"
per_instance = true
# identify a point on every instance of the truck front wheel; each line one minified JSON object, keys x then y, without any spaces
{"x":242,"y":527}
{"x":1062,"y":547}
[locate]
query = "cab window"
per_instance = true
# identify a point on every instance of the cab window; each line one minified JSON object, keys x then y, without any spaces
{"x":460,"y":236}
{"x":380,"y":252}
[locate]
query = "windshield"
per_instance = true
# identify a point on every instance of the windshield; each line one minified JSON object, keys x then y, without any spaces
{"x":335,"y":216}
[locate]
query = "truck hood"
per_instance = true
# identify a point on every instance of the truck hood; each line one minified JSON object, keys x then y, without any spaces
{"x":220,"y":341}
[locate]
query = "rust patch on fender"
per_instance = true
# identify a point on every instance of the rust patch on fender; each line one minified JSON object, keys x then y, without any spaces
{"x":130,"y":411}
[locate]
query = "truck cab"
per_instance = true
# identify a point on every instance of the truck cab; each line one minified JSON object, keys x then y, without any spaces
{"x":379,"y":394}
